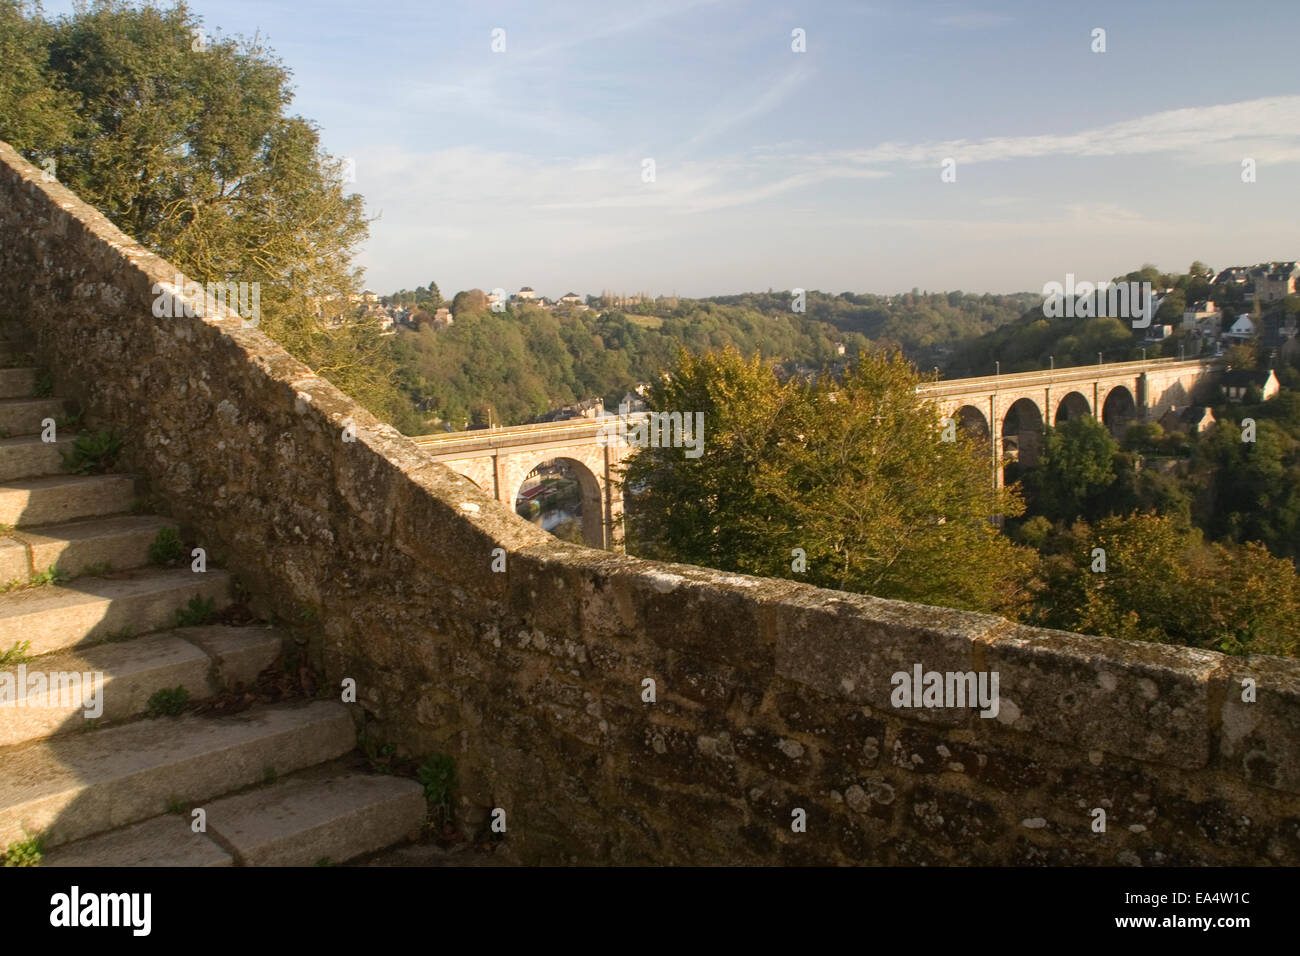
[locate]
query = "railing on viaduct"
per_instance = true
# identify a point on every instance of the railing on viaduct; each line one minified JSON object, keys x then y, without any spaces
{"x":1033,"y":399}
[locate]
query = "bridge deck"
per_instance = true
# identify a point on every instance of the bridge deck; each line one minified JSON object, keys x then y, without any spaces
{"x":581,"y":430}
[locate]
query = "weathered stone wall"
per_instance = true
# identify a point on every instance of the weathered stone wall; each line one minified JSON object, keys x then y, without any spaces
{"x":771,"y":695}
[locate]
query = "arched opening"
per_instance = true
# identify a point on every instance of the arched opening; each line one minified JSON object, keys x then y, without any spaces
{"x":1119,"y":411}
{"x":1022,"y":430}
{"x":973,"y":422}
{"x":562,"y":496}
{"x":1073,"y":406}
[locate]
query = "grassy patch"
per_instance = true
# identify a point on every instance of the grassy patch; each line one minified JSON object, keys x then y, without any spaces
{"x":16,"y":654}
{"x":198,"y":612}
{"x":168,"y":702}
{"x":44,"y":387}
{"x":93,"y":453}
{"x":166,"y":548}
{"x":50,"y":576}
{"x":23,"y":853}
{"x":438,"y":776}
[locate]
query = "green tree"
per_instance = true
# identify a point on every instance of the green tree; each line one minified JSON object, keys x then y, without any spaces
{"x":469,"y":302}
{"x":35,"y":116}
{"x":184,"y":141}
{"x":854,"y":472}
{"x":1162,"y":583}
{"x":1075,"y":469}
{"x":1240,"y":356}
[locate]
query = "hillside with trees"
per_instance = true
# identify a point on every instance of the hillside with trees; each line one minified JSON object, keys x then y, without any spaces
{"x":510,"y":366}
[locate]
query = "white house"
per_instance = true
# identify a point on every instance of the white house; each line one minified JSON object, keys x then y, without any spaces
{"x":1243,"y":328}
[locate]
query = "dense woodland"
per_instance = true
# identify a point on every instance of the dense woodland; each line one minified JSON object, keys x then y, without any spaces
{"x":514,"y":365}
{"x":511,"y":366}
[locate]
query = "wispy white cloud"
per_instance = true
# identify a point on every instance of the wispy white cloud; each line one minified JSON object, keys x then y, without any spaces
{"x":1267,"y":128}
{"x":765,"y":101}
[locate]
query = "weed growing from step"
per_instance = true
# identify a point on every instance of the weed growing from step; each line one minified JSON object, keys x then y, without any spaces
{"x":24,"y":853}
{"x":438,"y":775}
{"x":198,"y":612}
{"x":175,"y":805}
{"x":167,"y":548}
{"x":379,"y":755}
{"x":167,"y":702}
{"x":53,"y":575}
{"x":50,"y":576}
{"x":6,"y":530}
{"x":98,"y":569}
{"x":381,"y":760}
{"x":116,"y":637}
{"x":44,"y":387}
{"x":324,"y":861}
{"x":268,"y":774}
{"x":93,"y":453}
{"x":16,"y":654}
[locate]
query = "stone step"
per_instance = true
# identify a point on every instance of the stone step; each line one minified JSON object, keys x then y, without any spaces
{"x":36,"y":501}
{"x":28,"y":457}
{"x":118,"y":679}
{"x":122,"y":541}
{"x":23,"y":416}
{"x":163,"y":841}
{"x":17,"y":382}
{"x":14,"y":564}
{"x":78,"y":785}
{"x":89,"y":610}
{"x":300,"y":822}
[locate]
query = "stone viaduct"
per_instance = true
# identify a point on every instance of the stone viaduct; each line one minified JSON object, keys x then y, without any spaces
{"x":499,"y":460}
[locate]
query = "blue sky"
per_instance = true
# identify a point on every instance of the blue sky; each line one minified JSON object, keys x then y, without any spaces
{"x":777,"y":169}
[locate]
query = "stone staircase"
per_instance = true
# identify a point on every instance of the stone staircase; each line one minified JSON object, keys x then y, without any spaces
{"x":279,"y":783}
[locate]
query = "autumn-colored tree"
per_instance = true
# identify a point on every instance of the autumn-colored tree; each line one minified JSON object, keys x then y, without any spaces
{"x":1152,"y":578}
{"x":846,"y":483}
